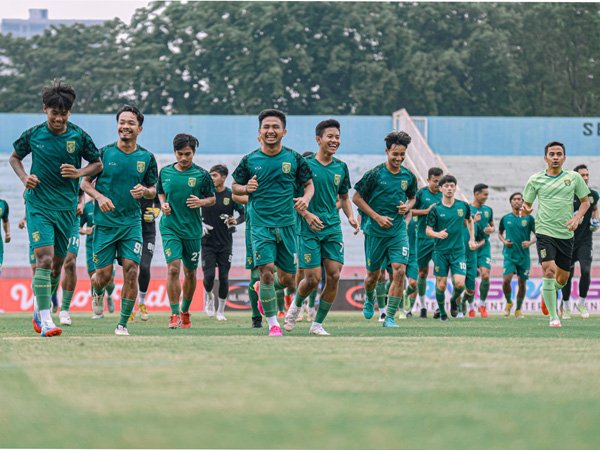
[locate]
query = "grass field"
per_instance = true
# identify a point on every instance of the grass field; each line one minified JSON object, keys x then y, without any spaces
{"x":493,"y":384}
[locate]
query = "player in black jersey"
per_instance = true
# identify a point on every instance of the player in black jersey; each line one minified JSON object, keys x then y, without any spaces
{"x":217,"y":242}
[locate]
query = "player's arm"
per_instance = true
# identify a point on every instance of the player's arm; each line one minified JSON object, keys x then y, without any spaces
{"x":16,"y":162}
{"x":164,"y":205}
{"x":595,"y":212}
{"x":240,"y":199}
{"x":404,"y":208}
{"x":505,"y":241}
{"x":23,"y":222}
{"x":90,"y":170}
{"x":301,"y":203}
{"x":6,"y":226}
{"x":471,"y":227}
{"x":422,"y":212}
{"x":241,"y":218}
{"x":490,"y":229}
{"x":382,"y":221}
{"x":346,"y":206}
{"x":436,"y":234}
{"x":104,"y":203}
{"x":574,"y":221}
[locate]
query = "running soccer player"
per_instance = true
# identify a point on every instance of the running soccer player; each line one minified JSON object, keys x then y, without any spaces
{"x":471,"y":260}
{"x":582,"y":250}
{"x":57,"y":147}
{"x":6,"y":225}
{"x":129,"y":174}
{"x":516,"y":251}
{"x":412,"y":268}
{"x":484,"y":253}
{"x":183,"y":189}
{"x":445,"y":224}
{"x":426,"y":198}
{"x":217,"y":244}
{"x":270,"y":175}
{"x":321,"y":241}
{"x":555,"y":222}
{"x":385,"y":194}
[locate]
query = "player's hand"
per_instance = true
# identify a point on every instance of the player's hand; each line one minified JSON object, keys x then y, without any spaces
{"x":193,"y":202}
{"x":573,"y":223}
{"x":231,"y":221}
{"x":138,"y":191}
{"x":526,"y":244}
{"x":7,"y":238}
{"x":31,"y":181}
{"x":300,"y":204}
{"x":525,"y":210}
{"x":69,"y":171}
{"x":252,"y":185}
{"x":313,"y":222}
{"x":509,"y":244}
{"x":79,"y":210}
{"x":105,"y":204}
{"x":488,"y":230}
{"x":22,"y":223}
{"x":206,"y":229}
{"x":442,"y":234}
{"x":480,"y":243}
{"x":472,"y":245}
{"x":402,"y":208}
{"x":477,"y":217}
{"x":89,"y":231}
{"x":354,"y":224}
{"x":166,"y":209}
{"x":384,"y":221}
{"x":150,"y":214}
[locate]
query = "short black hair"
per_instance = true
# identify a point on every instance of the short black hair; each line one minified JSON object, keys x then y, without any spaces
{"x":131,"y":109}
{"x":271,"y":113}
{"x":221,"y":169}
{"x":397,"y":138}
{"x":447,"y":179}
{"x":579,"y":167}
{"x":554,"y":144}
{"x":479,"y":187}
{"x":323,"y":125}
{"x":307,"y":153}
{"x":513,"y":195}
{"x":58,"y":95}
{"x":434,"y":172}
{"x":182,"y":140}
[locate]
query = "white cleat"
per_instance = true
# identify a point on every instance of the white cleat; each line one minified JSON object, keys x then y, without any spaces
{"x":121,"y":331}
{"x":555,"y":323}
{"x":382,"y":317}
{"x":209,"y":307}
{"x":64,"y":317}
{"x":583,"y":311}
{"x":110,"y":304}
{"x":221,"y":316}
{"x":301,"y":312}
{"x":98,"y":316}
{"x":289,"y":323}
{"x":312,"y":313}
{"x":97,"y":304}
{"x":460,"y":315}
{"x":401,"y":315}
{"x":317,"y":328}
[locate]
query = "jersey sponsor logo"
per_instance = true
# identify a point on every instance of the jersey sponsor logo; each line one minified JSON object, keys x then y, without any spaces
{"x":249,"y":260}
{"x":141,"y":166}
{"x":486,"y":214}
{"x":191,"y":182}
{"x":567,"y":182}
{"x":257,"y":256}
{"x":460,"y":212}
{"x":523,"y":222}
{"x":336,"y":179}
{"x":286,"y":167}
{"x":70,"y":146}
{"x":307,"y":257}
{"x":36,"y":236}
{"x":226,"y":201}
{"x":168,"y":252}
{"x":404,"y":185}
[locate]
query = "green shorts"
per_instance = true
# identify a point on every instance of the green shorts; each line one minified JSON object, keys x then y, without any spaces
{"x":380,"y":251}
{"x":50,"y":227}
{"x":89,"y":253}
{"x":117,"y":242}
{"x":249,"y":258}
{"x":471,"y":258}
{"x":74,"y":240}
{"x":313,"y":249}
{"x":484,"y":256}
{"x":424,"y":251}
{"x":412,"y":268}
{"x":187,"y":250}
{"x":449,"y":262}
{"x":32,"y":260}
{"x":521,"y":268}
{"x":275,"y":245}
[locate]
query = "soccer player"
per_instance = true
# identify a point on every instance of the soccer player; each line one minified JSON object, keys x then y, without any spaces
{"x":6,"y":225}
{"x":217,"y":244}
{"x":57,"y":147}
{"x":554,"y":223}
{"x":183,"y":188}
{"x":270,"y":175}
{"x":426,"y":198}
{"x":582,"y":250}
{"x":484,"y":253}
{"x":412,"y":268}
{"x":516,"y":251}
{"x":445,"y":224}
{"x":471,"y":260}
{"x":129,"y":174}
{"x":385,"y":194}
{"x":321,"y":241}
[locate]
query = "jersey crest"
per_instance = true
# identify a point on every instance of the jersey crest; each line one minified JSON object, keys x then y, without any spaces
{"x":36,"y":236}
{"x":141,"y":166}
{"x":191,"y":182}
{"x":286,"y":167}
{"x":567,"y":182}
{"x":524,"y":222}
{"x":404,"y":185}
{"x":460,"y":212}
{"x":70,"y":146}
{"x":336,"y":179}
{"x":486,"y":214}
{"x":226,"y":201}
{"x":307,"y":257}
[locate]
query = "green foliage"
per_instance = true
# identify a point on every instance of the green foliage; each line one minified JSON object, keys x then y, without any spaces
{"x":320,"y":58}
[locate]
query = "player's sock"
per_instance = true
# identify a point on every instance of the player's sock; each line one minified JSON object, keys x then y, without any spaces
{"x":324,"y":307}
{"x":110,"y":287}
{"x":45,"y":317}
{"x":221,"y":307}
{"x":380,"y":293}
{"x":370,"y":295}
{"x":508,"y":297}
{"x":468,"y":298}
{"x":99,"y":292}
{"x":276,"y":283}
{"x":42,"y":288}
{"x":126,"y":308}
{"x":581,"y":301}
{"x":54,"y":282}
{"x":549,"y":290}
{"x":392,"y":306}
{"x":141,"y":294}
{"x":311,"y":299}
{"x":440,"y":297}
{"x":520,"y":302}
{"x":421,"y":287}
{"x":185,"y":305}
{"x":484,"y":288}
{"x":409,"y":291}
{"x":268,"y":298}
{"x":272,"y":320}
{"x":280,"y":300}
{"x":299,"y":299}
{"x":558,"y":286}
{"x":457,"y":293}
{"x":174,"y":308}
{"x":252,"y":294}
{"x":66,"y":300}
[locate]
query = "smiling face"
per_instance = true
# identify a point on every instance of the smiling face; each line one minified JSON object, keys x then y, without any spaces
{"x":396,"y":155}
{"x":128,"y":126}
{"x":271,"y":131}
{"x":57,"y":119}
{"x":329,"y":142}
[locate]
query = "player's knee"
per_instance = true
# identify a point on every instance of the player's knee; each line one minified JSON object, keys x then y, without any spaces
{"x":173,"y":271}
{"x":549,"y":272}
{"x":267,"y":277}
{"x":130,"y":272}
{"x":423,"y":272}
{"x":440,"y":284}
{"x":333,"y":276}
{"x":70,"y":265}
{"x":399,"y":273}
{"x":459,"y":284}
{"x":412,"y":283}
{"x":189,"y":274}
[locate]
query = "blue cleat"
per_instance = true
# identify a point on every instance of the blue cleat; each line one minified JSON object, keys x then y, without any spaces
{"x":368,"y":309}
{"x":36,"y":322}
{"x":389,"y":322}
{"x":49,"y":331}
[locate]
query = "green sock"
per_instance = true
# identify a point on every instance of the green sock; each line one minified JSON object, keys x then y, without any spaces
{"x":66,"y":300}
{"x":276,"y":283}
{"x":468,"y":298}
{"x":370,"y":296}
{"x":484,"y":288}
{"x":299,"y":299}
{"x":520,"y":302}
{"x":174,"y":308}
{"x":392,"y":306}
{"x":252,"y":294}
{"x":110,"y":287}
{"x":268,"y":298}
{"x":456,"y":294}
{"x":410,"y":290}
{"x":126,"y":308}
{"x":508,"y":297}
{"x":421,"y":286}
{"x":388,"y":283}
{"x":558,"y":286}
{"x":280,"y":299}
{"x":185,"y":304}
{"x":99,"y":292}
{"x":54,"y":282}
{"x":311,"y":299}
{"x":380,"y":293}
{"x":412,"y":301}
{"x":549,"y":290}
{"x":324,"y":307}
{"x":440,"y":297}
{"x":42,"y":288}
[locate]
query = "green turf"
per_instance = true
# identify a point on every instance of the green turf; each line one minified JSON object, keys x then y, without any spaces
{"x":485,"y":384}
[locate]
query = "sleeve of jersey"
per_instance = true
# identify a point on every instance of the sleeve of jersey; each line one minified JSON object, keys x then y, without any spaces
{"x":159,"y":186}
{"x":151,"y":176}
{"x":5,"y":213}
{"x":304,"y":173}
{"x":412,"y":188}
{"x":365,"y":185}
{"x":418,"y":200}
{"x":468,"y":212}
{"x":345,"y":184}
{"x":532,"y":224}
{"x":207,"y":187}
{"x":581,"y":189}
{"x":432,"y":218}
{"x":241,"y":174}
{"x":501,"y":227}
{"x":89,"y":152}
{"x":529,"y":193}
{"x":21,"y":145}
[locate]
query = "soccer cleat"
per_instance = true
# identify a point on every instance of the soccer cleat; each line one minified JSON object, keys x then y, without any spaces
{"x":544,"y":308}
{"x":143,"y":312}
{"x":50,"y":330}
{"x":121,"y":331}
{"x":64,"y":317}
{"x":368,"y":309}
{"x":97,"y":303}
{"x":36,"y":322}
{"x":317,"y":328}
{"x":209,"y":306}
{"x":389,"y":322}
{"x":472,"y":313}
{"x":312,"y":314}
{"x":483,"y":311}
{"x":257,"y":322}
{"x":302,"y":312}
{"x":401,"y":315}
{"x":444,"y":318}
{"x":221,"y":317}
{"x":382,"y":317}
{"x":287,"y":301}
{"x":436,"y":314}
{"x":291,"y":317}
{"x":281,"y":314}
{"x":132,"y":316}
{"x":555,"y":323}
{"x":185,"y":320}
{"x":110,"y":304}
{"x":460,"y":315}
{"x":100,"y":316}
{"x":175,"y":321}
{"x":409,"y":314}
{"x":275,"y":330}
{"x":519,"y":314}
{"x":453,"y":308}
{"x":507,"y":309}
{"x":583,"y":311}
{"x":423,"y":313}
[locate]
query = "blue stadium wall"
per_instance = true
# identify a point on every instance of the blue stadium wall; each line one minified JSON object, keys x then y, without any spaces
{"x":361,"y":134}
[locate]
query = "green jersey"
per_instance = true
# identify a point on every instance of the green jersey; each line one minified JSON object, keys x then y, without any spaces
{"x":424,"y":199}
{"x":411,"y":228}
{"x":87,"y":218}
{"x":555,"y":200}
{"x":452,"y":219}
{"x":48,"y":152}
{"x":278,"y":176}
{"x":330,"y":181}
{"x":122,"y":171}
{"x":518,"y":229}
{"x":3,"y":210}
{"x":177,"y":186}
{"x":383,"y":191}
{"x":487,"y":218}
{"x":478,"y":232}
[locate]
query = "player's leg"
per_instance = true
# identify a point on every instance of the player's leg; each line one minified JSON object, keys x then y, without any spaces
{"x":484,"y":260}
{"x":173,"y":250}
{"x":584,"y":255}
{"x":471,"y":276}
{"x":105,"y":249}
{"x":308,"y":277}
{"x":264,"y":247}
{"x":555,"y":256}
{"x":129,"y":292}
{"x":375,"y":256}
{"x":209,"y":264}
{"x":509,"y":270}
{"x":68,"y":287}
{"x":332,"y":277}
{"x":398,"y":252}
{"x":224,"y":264}
{"x":189,"y":287}
{"x":458,"y":268}
{"x":148,"y":243}
{"x":424,"y":255}
{"x":412,"y":274}
{"x":381,"y":293}
{"x":521,"y":290}
{"x":441,"y":269}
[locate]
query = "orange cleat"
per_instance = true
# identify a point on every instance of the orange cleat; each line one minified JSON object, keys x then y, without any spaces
{"x":185,"y":320}
{"x":544,"y":309}
{"x":175,"y":321}
{"x":472,"y":313}
{"x":483,"y":311}
{"x":281,"y":314}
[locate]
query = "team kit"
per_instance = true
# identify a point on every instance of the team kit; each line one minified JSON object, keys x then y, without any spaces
{"x":290,"y":205}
